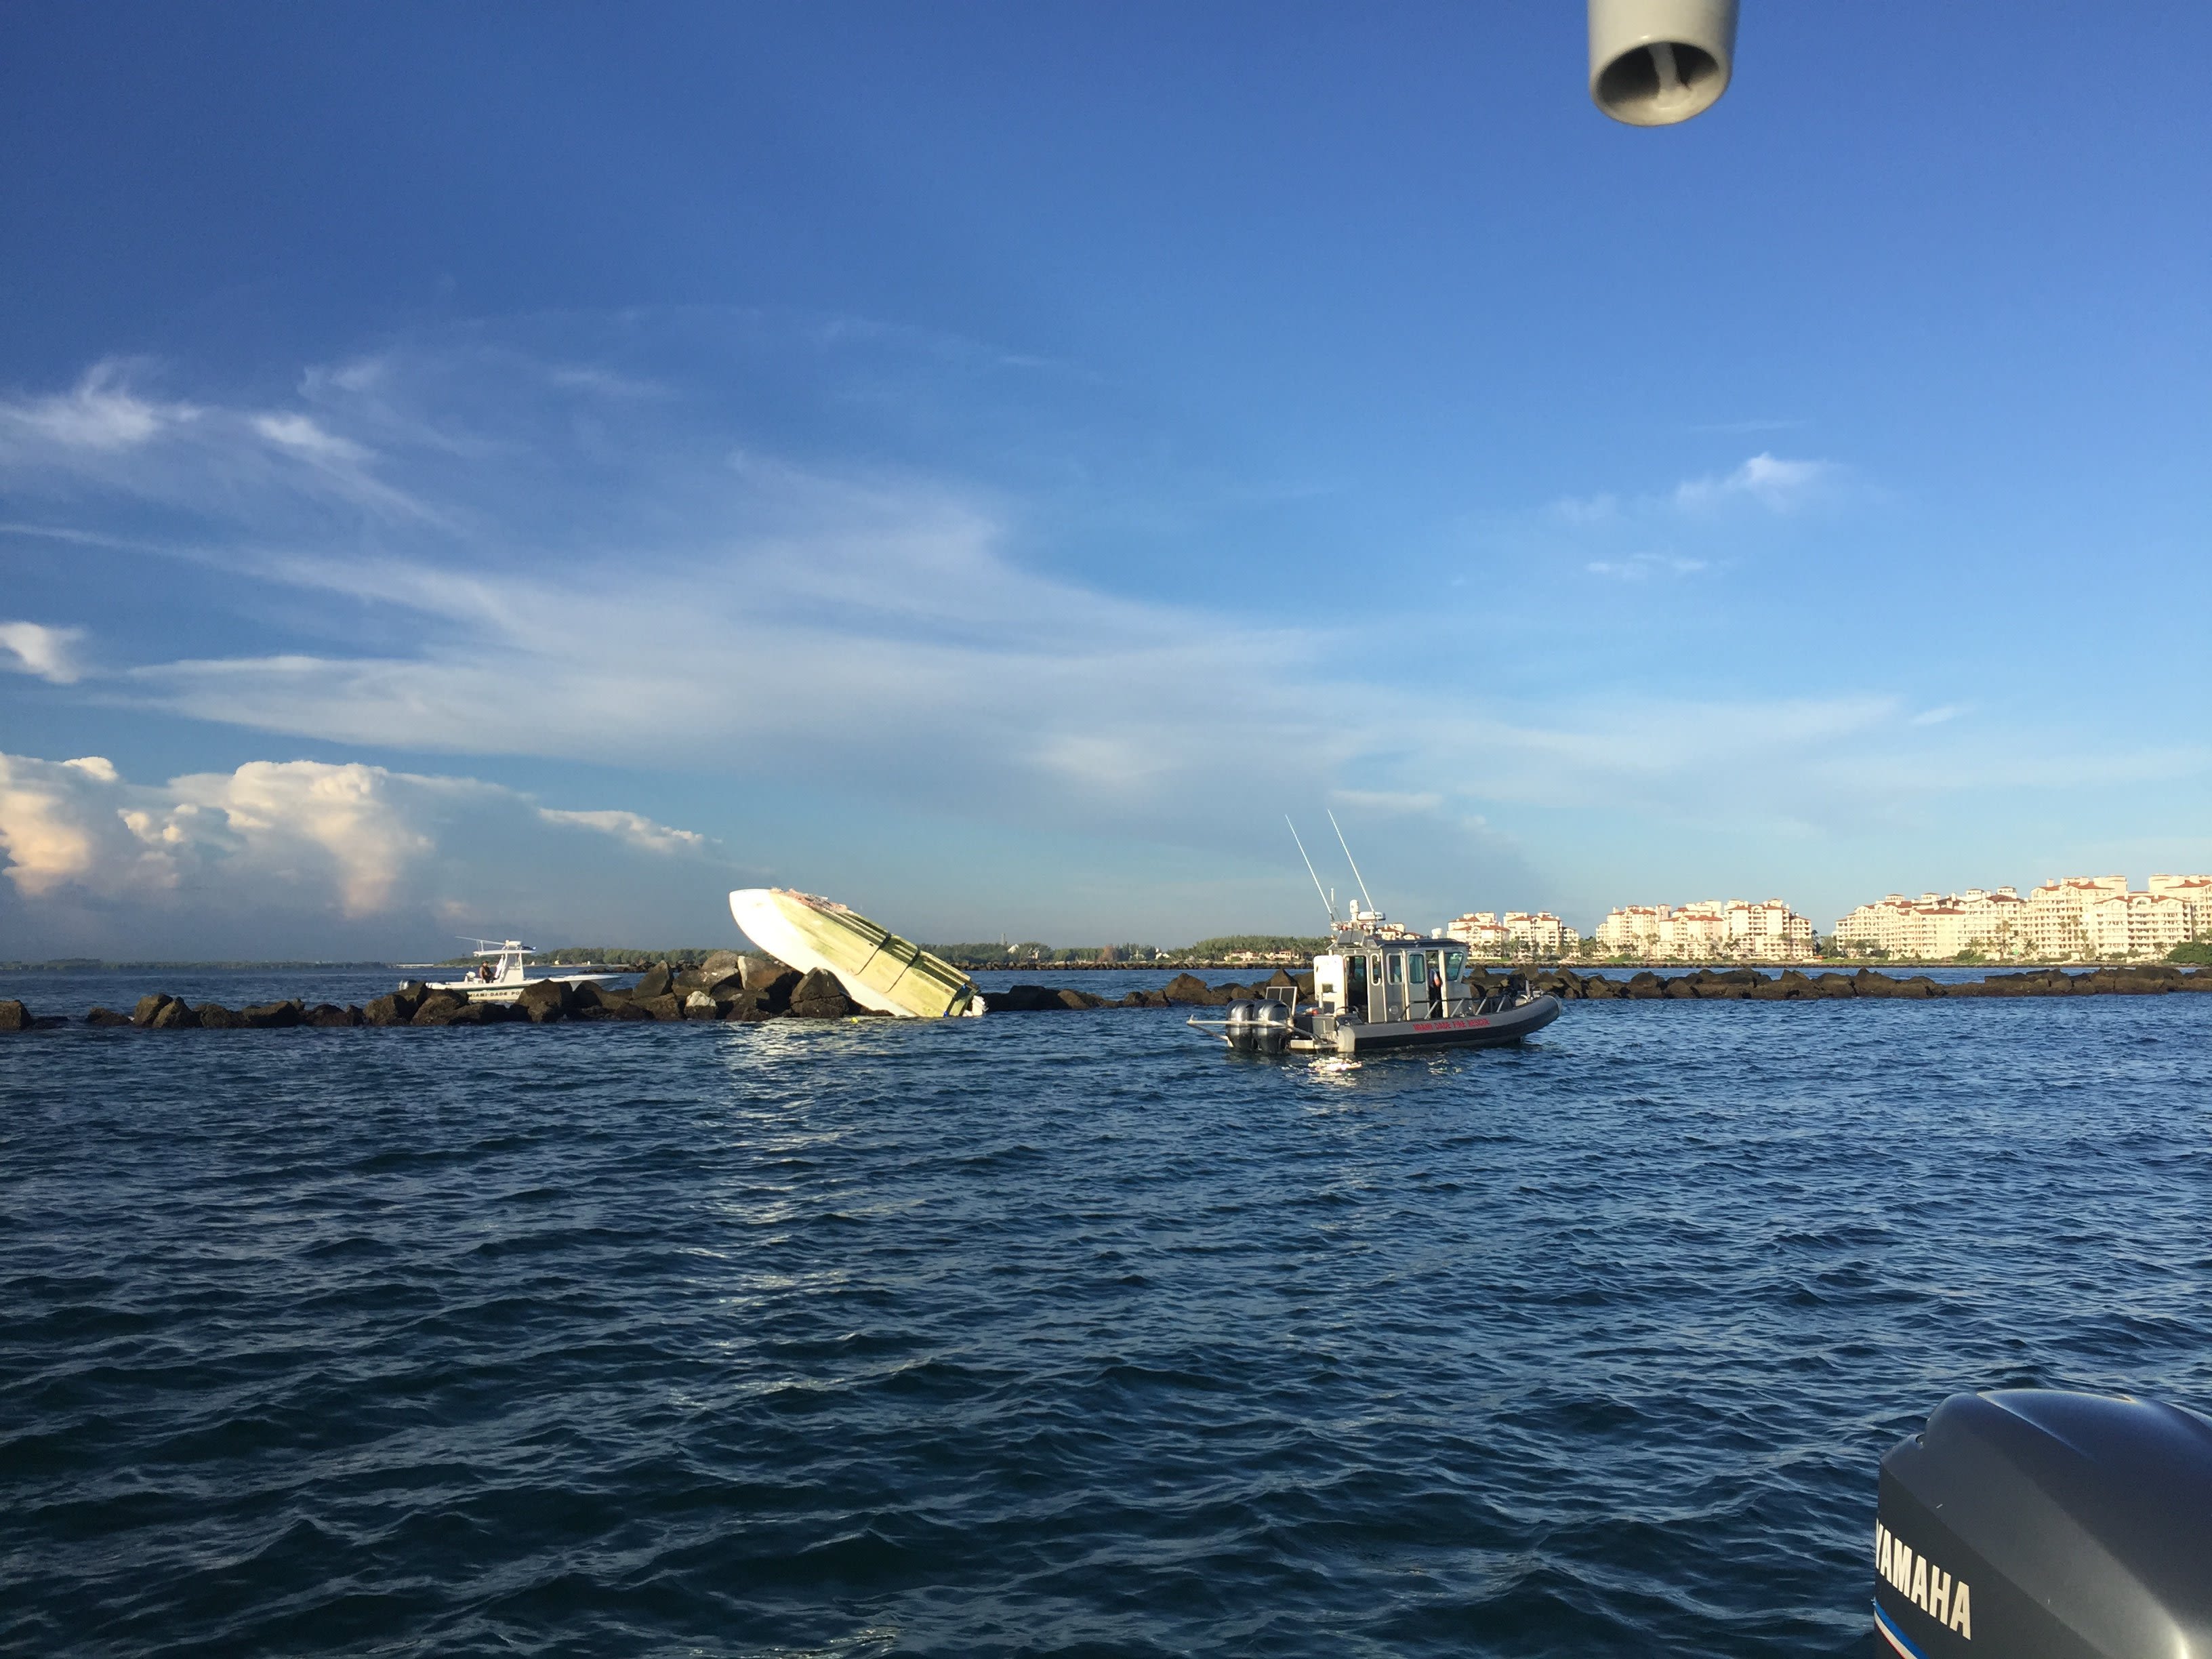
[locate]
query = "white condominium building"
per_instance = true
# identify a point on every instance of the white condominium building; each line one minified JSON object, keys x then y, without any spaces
{"x":1936,"y":925}
{"x":1519,"y":933}
{"x":2073,"y":918}
{"x":1710,"y":931}
{"x":2196,"y":892}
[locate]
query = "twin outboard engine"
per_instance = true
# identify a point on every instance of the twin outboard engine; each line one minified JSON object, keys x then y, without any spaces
{"x":1655,"y":63}
{"x":2028,"y":1523}
{"x":1258,"y":1027}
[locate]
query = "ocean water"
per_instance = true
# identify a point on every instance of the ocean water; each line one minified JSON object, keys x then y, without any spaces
{"x":1049,"y":1334}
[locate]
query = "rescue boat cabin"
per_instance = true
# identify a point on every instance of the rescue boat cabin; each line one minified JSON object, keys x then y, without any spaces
{"x":1385,"y":980}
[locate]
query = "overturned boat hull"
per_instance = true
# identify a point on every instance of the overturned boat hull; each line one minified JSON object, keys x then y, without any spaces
{"x":878,"y":968}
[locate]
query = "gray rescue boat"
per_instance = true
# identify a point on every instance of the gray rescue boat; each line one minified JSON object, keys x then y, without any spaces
{"x":1380,"y":990}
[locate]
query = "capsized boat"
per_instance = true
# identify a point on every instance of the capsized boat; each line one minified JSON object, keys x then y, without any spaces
{"x":1382,"y":989}
{"x":878,"y":968}
{"x":499,"y":975}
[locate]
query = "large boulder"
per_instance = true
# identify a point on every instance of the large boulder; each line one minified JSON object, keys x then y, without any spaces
{"x":760,"y":999}
{"x":105,"y":1017}
{"x":718,"y":963}
{"x":667,"y":1005}
{"x":173,"y":1016}
{"x":331,"y":1017}
{"x":1189,"y":988}
{"x":546,"y":1001}
{"x":697,"y":1005}
{"x":148,"y":1005}
{"x":820,"y":995}
{"x":600,"y":1012}
{"x":214,"y":1016}
{"x":396,"y":1007}
{"x":271,"y":1016}
{"x":15,"y":1017}
{"x":439,"y":1008}
{"x":760,"y":971}
{"x":655,"y":982}
{"x":1025,"y":999}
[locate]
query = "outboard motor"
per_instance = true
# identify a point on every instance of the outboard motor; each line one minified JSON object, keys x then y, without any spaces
{"x":2029,"y":1523}
{"x":1655,"y":62}
{"x":1258,"y":1027}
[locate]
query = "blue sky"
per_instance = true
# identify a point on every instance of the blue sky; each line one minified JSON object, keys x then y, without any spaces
{"x":534,"y":468}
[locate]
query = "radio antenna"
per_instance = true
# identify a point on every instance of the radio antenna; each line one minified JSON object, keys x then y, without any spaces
{"x":1349,"y":860}
{"x":1318,"y":888}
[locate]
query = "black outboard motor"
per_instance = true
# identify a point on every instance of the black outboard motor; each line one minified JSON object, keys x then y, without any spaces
{"x":2028,"y":1523}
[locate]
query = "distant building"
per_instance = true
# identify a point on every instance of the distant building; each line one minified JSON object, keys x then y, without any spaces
{"x":2196,"y":892}
{"x":1711,"y":930}
{"x":2074,"y":918}
{"x":1517,"y":933}
{"x":1933,"y":927}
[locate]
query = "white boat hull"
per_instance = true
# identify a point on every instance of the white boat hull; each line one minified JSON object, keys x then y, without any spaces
{"x":878,"y":970}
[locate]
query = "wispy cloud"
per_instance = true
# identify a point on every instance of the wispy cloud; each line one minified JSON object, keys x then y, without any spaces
{"x":1643,"y":566}
{"x":102,"y":414}
{"x":1778,"y":485}
{"x":48,"y":653}
{"x":637,"y":830}
{"x":1767,"y":481}
{"x":640,"y":581}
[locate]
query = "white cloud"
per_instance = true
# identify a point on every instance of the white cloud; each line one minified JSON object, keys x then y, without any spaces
{"x":334,"y":847}
{"x":1780,"y":486}
{"x":101,"y":414}
{"x":48,"y":653}
{"x":504,"y":555}
{"x":301,"y":436}
{"x":637,"y":830}
{"x":1643,"y":566}
{"x":1765,"y":480}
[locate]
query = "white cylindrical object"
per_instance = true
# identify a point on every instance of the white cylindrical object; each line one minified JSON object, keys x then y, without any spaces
{"x":1653,"y":63}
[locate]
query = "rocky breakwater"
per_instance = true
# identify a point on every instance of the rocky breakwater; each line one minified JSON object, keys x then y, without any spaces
{"x":727,"y":987}
{"x":750,"y":989}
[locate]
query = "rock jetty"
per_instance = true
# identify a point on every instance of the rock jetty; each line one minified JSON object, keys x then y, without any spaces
{"x":758,"y":988}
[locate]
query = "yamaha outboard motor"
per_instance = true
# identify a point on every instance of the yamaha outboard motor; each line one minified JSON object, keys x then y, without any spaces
{"x":2028,"y":1523}
{"x":1257,"y":1027}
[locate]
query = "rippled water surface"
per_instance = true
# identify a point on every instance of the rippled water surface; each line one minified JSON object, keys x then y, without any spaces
{"x":1047,"y":1333}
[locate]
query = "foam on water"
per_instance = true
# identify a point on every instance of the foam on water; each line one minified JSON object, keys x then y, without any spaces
{"x":1055,"y":1334}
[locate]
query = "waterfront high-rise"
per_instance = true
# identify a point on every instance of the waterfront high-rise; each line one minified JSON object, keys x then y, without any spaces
{"x":2071,"y":918}
{"x":1711,"y":930}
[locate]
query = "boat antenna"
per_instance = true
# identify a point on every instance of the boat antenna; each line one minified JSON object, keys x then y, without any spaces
{"x":1349,"y":860}
{"x":1318,"y":888}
